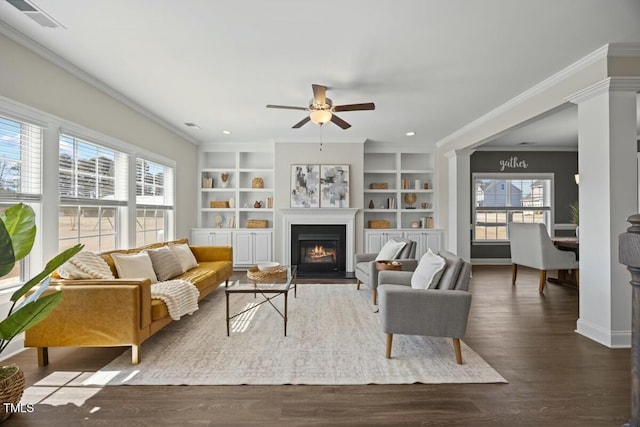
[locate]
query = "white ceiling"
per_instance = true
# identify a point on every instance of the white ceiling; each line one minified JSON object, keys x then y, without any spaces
{"x":430,"y":66}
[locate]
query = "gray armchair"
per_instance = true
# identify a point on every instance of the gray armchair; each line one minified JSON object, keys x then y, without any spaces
{"x":531,"y":246}
{"x":440,"y":312}
{"x":367,"y":273}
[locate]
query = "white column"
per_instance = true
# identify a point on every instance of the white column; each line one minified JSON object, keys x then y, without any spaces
{"x":607,"y":151}
{"x":459,"y":188}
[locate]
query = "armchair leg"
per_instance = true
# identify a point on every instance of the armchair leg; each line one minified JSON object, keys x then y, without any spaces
{"x":458,"y":350}
{"x":375,"y":297}
{"x":135,"y":354}
{"x":514,"y":273}
{"x":358,"y":284}
{"x":389,"y":342}
{"x":543,"y":280}
{"x":43,"y":356}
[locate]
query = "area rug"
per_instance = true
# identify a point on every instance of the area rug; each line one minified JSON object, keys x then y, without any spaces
{"x":333,"y":337}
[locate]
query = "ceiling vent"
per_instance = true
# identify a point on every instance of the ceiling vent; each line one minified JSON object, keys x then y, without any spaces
{"x":33,"y":12}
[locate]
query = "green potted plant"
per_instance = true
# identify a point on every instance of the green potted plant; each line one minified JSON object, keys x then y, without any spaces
{"x":574,"y":209}
{"x":17,"y":234}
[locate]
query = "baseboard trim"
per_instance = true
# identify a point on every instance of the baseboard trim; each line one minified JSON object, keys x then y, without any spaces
{"x":611,"y":339}
{"x":16,"y":346}
{"x":491,"y":261}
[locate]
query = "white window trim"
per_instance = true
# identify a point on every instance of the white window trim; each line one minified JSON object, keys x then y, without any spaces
{"x":513,"y":175}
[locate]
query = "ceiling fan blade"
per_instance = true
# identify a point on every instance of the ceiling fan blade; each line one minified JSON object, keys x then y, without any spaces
{"x":319,"y":94}
{"x":301,"y":123}
{"x":355,"y":107}
{"x":337,"y":120}
{"x":287,"y":107}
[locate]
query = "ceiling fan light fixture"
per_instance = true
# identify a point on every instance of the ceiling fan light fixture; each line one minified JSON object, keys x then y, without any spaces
{"x":320,"y":117}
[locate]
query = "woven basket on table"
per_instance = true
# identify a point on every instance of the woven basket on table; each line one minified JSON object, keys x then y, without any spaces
{"x":253,"y":273}
{"x":11,"y":390}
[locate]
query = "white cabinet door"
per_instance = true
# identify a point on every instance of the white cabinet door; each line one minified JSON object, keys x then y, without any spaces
{"x":220,"y":238}
{"x":200,"y":237}
{"x":375,"y":240}
{"x":251,"y":247}
{"x":262,"y":247}
{"x":210,"y":237}
{"x":425,"y":240}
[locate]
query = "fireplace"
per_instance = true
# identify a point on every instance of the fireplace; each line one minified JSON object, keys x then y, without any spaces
{"x":318,"y":247}
{"x":322,"y":219}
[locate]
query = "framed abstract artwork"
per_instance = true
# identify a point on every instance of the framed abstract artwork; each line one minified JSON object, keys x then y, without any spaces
{"x":305,"y":186}
{"x":334,"y":186}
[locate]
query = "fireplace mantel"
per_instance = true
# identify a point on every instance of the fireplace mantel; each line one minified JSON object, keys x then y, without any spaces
{"x":310,"y":216}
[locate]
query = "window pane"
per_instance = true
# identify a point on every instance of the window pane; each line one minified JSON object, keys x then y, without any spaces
{"x":93,"y":226}
{"x":151,"y":225}
{"x":500,"y":200}
{"x":89,"y":171}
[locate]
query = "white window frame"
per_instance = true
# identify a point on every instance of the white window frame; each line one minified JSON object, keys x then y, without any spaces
{"x":511,"y":176}
{"x":120,"y":202}
{"x":30,"y":191}
{"x":169,"y":185}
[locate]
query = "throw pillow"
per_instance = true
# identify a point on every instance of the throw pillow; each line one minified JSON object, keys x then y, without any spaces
{"x":428,"y":272}
{"x":184,"y":254}
{"x":85,"y":265}
{"x":165,"y":263}
{"x":134,"y":266}
{"x":390,"y":250}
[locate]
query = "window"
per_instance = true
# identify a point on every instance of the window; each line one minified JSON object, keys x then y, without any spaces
{"x":93,"y":191}
{"x":20,"y":181}
{"x":501,"y":199}
{"x":154,"y":202}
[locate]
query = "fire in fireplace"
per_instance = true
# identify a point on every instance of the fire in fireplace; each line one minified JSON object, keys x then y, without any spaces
{"x":318,"y":248}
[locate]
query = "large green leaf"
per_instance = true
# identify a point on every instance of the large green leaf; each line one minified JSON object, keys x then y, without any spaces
{"x":7,"y":257}
{"x":20,"y":220}
{"x":54,"y":263}
{"x":29,"y":315}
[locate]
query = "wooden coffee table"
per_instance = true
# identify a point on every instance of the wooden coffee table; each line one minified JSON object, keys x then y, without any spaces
{"x":267,"y":288}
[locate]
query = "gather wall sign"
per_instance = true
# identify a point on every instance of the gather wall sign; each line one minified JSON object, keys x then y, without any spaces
{"x":513,"y":163}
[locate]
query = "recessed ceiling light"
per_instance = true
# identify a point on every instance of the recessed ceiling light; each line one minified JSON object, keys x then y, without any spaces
{"x":192,"y":125}
{"x":226,"y":132}
{"x":410,"y":133}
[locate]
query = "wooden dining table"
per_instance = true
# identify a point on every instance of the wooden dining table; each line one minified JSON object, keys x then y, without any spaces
{"x":567,"y":277}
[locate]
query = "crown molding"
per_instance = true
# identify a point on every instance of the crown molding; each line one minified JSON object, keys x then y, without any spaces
{"x":624,"y":49}
{"x":610,"y":84}
{"x":57,"y":60}
{"x":547,"y":83}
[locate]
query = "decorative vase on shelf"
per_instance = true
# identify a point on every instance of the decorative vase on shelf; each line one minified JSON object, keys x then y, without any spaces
{"x":232,"y":202}
{"x":224,"y":179}
{"x":410,"y":199}
{"x":577,"y":232}
{"x":371,"y":205}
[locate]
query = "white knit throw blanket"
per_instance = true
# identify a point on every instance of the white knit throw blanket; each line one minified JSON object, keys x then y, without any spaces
{"x":180,"y":296}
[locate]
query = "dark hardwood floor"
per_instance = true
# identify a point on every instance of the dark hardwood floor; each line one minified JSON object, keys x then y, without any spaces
{"x":556,"y":377}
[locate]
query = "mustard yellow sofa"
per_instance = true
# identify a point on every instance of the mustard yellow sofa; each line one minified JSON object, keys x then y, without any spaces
{"x":120,"y":312}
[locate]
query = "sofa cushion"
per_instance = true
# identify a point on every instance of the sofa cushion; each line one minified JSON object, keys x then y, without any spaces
{"x":454,"y":264}
{"x":184,"y":254}
{"x":390,"y":250}
{"x":85,"y":265}
{"x":200,"y":276}
{"x":133,"y":266}
{"x":428,"y":272}
{"x":165,"y":263}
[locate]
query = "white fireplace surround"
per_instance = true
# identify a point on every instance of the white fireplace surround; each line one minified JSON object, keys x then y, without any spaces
{"x":310,"y":216}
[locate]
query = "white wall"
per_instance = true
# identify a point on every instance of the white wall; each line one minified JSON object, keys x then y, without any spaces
{"x":31,"y":80}
{"x":287,"y":154}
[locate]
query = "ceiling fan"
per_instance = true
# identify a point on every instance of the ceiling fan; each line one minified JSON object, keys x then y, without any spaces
{"x":322,"y":109}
